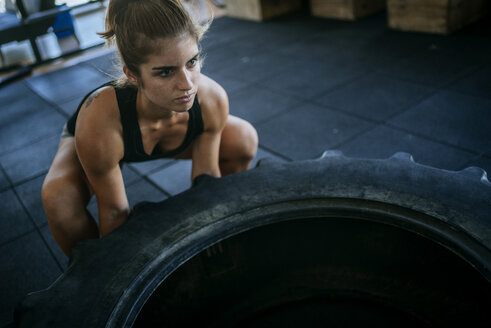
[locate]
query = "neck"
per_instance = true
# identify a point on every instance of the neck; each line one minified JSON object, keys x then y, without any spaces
{"x":148,"y":111}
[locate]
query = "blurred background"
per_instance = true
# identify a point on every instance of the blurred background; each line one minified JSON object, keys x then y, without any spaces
{"x":54,"y":38}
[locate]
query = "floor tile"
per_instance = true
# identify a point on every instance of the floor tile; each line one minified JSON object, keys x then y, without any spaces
{"x":41,"y":125}
{"x":256,"y":104}
{"x":375,"y":97}
{"x":4,"y":182}
{"x":344,"y":35}
{"x":469,"y":43}
{"x":224,"y":30}
{"x":300,"y":23}
{"x":263,"y":154}
{"x":93,"y":209}
{"x":475,"y":84}
{"x":30,"y":195}
{"x":31,"y":160}
{"x":69,"y":107}
{"x":25,"y":266}
{"x":308,"y":131}
{"x":392,"y":43}
{"x":383,"y":142}
{"x":451,"y":118}
{"x":311,"y":79}
{"x":175,"y":178}
{"x":228,"y":83}
{"x":68,"y":83}
{"x":311,"y":48}
{"x":388,"y":46}
{"x":11,"y":100}
{"x":430,"y":67}
{"x":145,"y":168}
{"x":25,"y":118}
{"x":336,"y":36}
{"x":14,"y":220}
{"x":229,"y":55}
{"x":282,"y":31}
{"x":144,"y":191}
{"x":130,"y":175}
{"x":108,"y":65}
{"x":258,"y":67}
{"x":60,"y":257}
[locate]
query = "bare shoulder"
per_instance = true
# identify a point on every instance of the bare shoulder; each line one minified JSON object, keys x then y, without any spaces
{"x":213,"y":101}
{"x":98,"y":134}
{"x":102,"y":101}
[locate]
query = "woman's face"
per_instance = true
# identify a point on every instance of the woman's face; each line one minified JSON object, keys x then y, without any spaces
{"x":169,"y":78}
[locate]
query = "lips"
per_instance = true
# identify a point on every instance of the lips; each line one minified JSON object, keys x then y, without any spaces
{"x":185,"y":98}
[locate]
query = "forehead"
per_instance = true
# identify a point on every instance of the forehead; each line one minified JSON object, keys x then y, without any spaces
{"x":173,"y":50}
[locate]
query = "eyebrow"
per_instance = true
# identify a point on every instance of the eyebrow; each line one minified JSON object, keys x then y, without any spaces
{"x":161,"y":68}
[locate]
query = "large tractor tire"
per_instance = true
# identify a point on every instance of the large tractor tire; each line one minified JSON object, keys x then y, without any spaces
{"x":334,"y":241}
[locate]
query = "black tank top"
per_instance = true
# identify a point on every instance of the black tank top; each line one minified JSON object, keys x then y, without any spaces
{"x":132,"y":138}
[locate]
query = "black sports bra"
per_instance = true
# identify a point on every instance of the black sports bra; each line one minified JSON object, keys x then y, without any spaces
{"x":132,"y":138}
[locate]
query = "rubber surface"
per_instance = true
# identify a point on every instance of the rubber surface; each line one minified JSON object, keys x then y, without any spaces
{"x":109,"y":281}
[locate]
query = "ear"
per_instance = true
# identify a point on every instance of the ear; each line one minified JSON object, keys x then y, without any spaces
{"x":130,"y":75}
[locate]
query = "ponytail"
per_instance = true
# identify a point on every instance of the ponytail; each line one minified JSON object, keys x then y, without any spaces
{"x":135,"y":25}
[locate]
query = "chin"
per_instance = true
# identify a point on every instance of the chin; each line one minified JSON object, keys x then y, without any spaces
{"x":187,"y":106}
{"x":183,"y":108}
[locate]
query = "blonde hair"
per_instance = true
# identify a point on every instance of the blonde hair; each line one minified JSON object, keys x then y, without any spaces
{"x":136,"y":25}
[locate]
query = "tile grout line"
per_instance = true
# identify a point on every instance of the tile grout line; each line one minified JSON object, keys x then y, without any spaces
{"x":36,"y":228}
{"x":257,"y":84}
{"x":5,"y":243}
{"x":356,"y":135}
{"x":49,"y":102}
{"x":470,"y":95}
{"x":442,"y":86}
{"x":474,"y":152}
{"x":9,"y":181}
{"x":154,"y":170}
{"x":33,"y":141}
{"x":25,"y":180}
{"x":145,"y":177}
{"x":407,"y":107}
{"x":403,"y":108}
{"x":266,"y":148}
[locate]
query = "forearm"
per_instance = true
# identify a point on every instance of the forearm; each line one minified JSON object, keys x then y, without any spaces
{"x":206,"y":156}
{"x":112,"y":218}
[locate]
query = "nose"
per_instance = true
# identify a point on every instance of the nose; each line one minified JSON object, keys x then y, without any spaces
{"x":185,"y":82}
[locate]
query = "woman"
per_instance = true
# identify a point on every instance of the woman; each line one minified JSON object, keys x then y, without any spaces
{"x":162,"y":107}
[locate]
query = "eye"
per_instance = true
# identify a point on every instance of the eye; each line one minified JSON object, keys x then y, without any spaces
{"x":165,"y":72}
{"x":193,"y":62}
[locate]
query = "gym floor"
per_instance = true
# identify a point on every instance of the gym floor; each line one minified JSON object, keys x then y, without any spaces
{"x":307,"y":84}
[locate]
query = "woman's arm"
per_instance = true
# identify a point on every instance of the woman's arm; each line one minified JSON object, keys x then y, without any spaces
{"x":99,"y":144}
{"x":214,"y":109}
